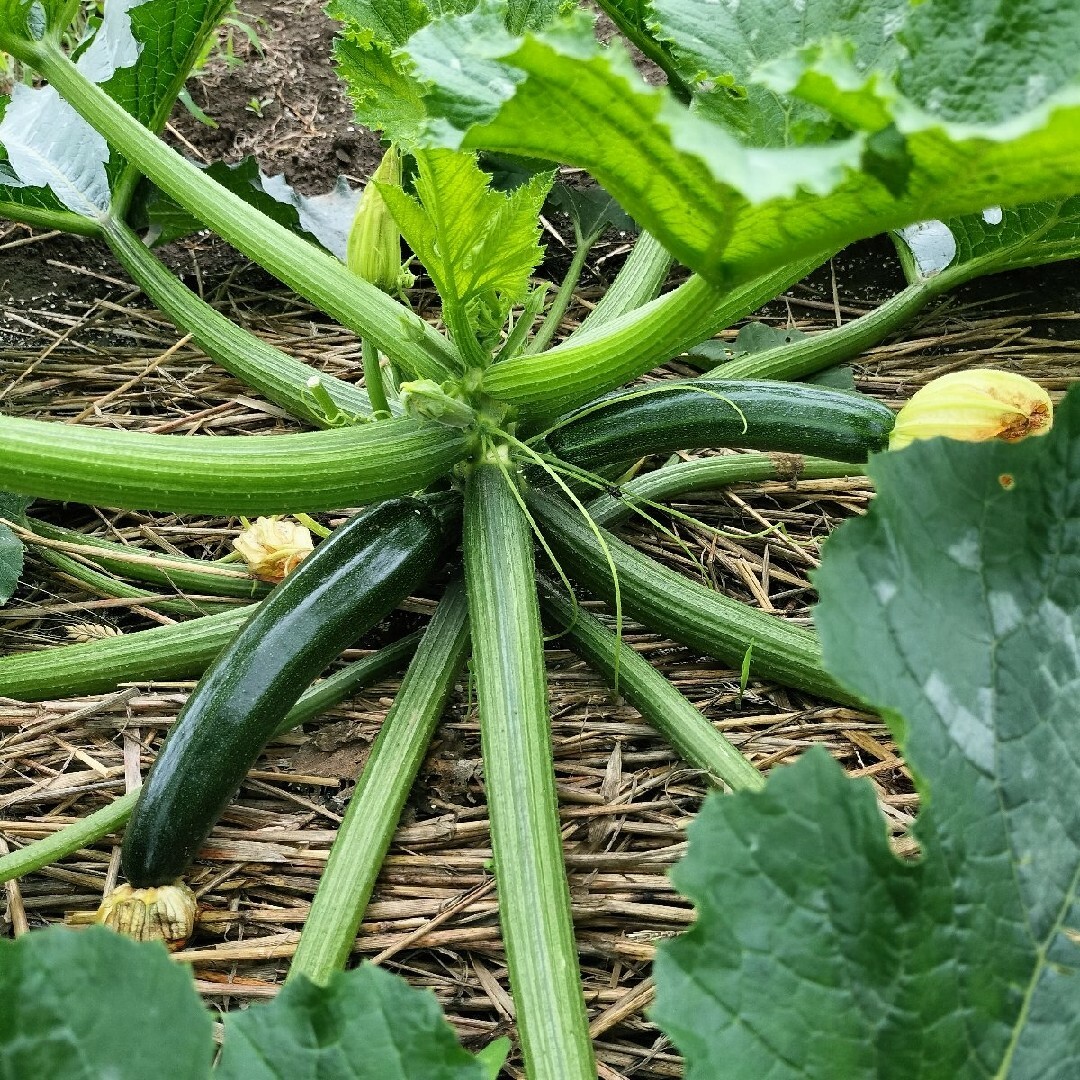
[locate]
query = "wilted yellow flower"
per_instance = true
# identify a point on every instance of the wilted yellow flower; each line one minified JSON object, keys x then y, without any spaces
{"x":974,"y":406}
{"x":165,"y":913}
{"x":273,"y":547}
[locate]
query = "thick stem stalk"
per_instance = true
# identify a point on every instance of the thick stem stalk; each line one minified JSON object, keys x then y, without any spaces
{"x":273,"y":373}
{"x":230,"y":474}
{"x":553,"y":382}
{"x":640,"y":280}
{"x":353,"y":302}
{"x":181,"y":651}
{"x":705,"y":474}
{"x":650,"y":693}
{"x":175,"y":571}
{"x":111,"y":586}
{"x":534,"y":898}
{"x":698,"y":616}
{"x":365,"y":834}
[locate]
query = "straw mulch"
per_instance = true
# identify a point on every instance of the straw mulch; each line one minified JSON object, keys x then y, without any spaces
{"x":626,"y":799}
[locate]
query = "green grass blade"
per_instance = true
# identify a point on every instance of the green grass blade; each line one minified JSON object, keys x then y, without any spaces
{"x":534,"y":899}
{"x":649,"y":692}
{"x":684,"y":610}
{"x":230,"y":474}
{"x":396,"y":756}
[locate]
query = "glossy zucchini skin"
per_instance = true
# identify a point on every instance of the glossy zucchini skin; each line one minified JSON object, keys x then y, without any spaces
{"x":692,"y":414}
{"x":340,"y":591}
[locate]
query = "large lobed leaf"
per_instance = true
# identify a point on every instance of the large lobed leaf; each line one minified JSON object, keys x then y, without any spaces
{"x":385,"y":92}
{"x":874,"y":135}
{"x":954,"y":607}
{"x":92,"y":1004}
{"x":51,"y":160}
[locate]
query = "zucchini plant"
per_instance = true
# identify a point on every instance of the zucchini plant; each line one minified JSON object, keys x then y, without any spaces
{"x":753,"y":166}
{"x":814,"y":945}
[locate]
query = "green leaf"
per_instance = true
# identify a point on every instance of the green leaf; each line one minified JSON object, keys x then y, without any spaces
{"x":726,"y":209}
{"x":1000,"y":239}
{"x":365,"y":1024}
{"x":89,"y":1004}
{"x":52,"y":161}
{"x":591,"y":208}
{"x":718,"y":45}
{"x":382,"y":84}
{"x":479,"y":246}
{"x":953,"y":607}
{"x":12,"y":550}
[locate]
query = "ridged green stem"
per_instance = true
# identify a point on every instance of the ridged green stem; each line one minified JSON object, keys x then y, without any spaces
{"x":180,"y":651}
{"x":37,"y":218}
{"x":230,"y":474}
{"x":820,"y":351}
{"x":322,"y":696}
{"x":353,"y":302}
{"x":696,"y":740}
{"x":175,"y":571}
{"x":555,"y":313}
{"x":373,"y":379}
{"x":823,"y":350}
{"x":515,"y":732}
{"x":275,"y":374}
{"x":704,"y":474}
{"x":640,"y":280}
{"x":365,"y":834}
{"x":672,"y":604}
{"x":553,"y":382}
{"x":111,"y":586}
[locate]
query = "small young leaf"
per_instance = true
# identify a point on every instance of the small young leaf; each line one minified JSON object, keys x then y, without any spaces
{"x":366,"y":1024}
{"x":88,"y":1004}
{"x":954,"y":607}
{"x":479,"y":246}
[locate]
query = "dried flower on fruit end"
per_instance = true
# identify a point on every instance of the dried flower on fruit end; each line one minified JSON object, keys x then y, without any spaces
{"x":273,"y":547}
{"x":164,"y":913}
{"x":974,"y":406}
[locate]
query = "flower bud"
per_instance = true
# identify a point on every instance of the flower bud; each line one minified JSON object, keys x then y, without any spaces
{"x":374,"y":248}
{"x":427,"y":400}
{"x":164,"y":913}
{"x":974,"y":406}
{"x":273,"y":548}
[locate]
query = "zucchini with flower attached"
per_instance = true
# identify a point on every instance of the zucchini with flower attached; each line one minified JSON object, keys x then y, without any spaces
{"x":691,"y":414}
{"x":344,"y":588}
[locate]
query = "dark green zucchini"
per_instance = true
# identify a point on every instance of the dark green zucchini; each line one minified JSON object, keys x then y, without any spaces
{"x":344,"y":588}
{"x":692,"y":414}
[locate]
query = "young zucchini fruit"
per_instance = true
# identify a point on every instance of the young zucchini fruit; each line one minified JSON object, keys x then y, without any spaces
{"x":343,"y":589}
{"x":686,"y":415}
